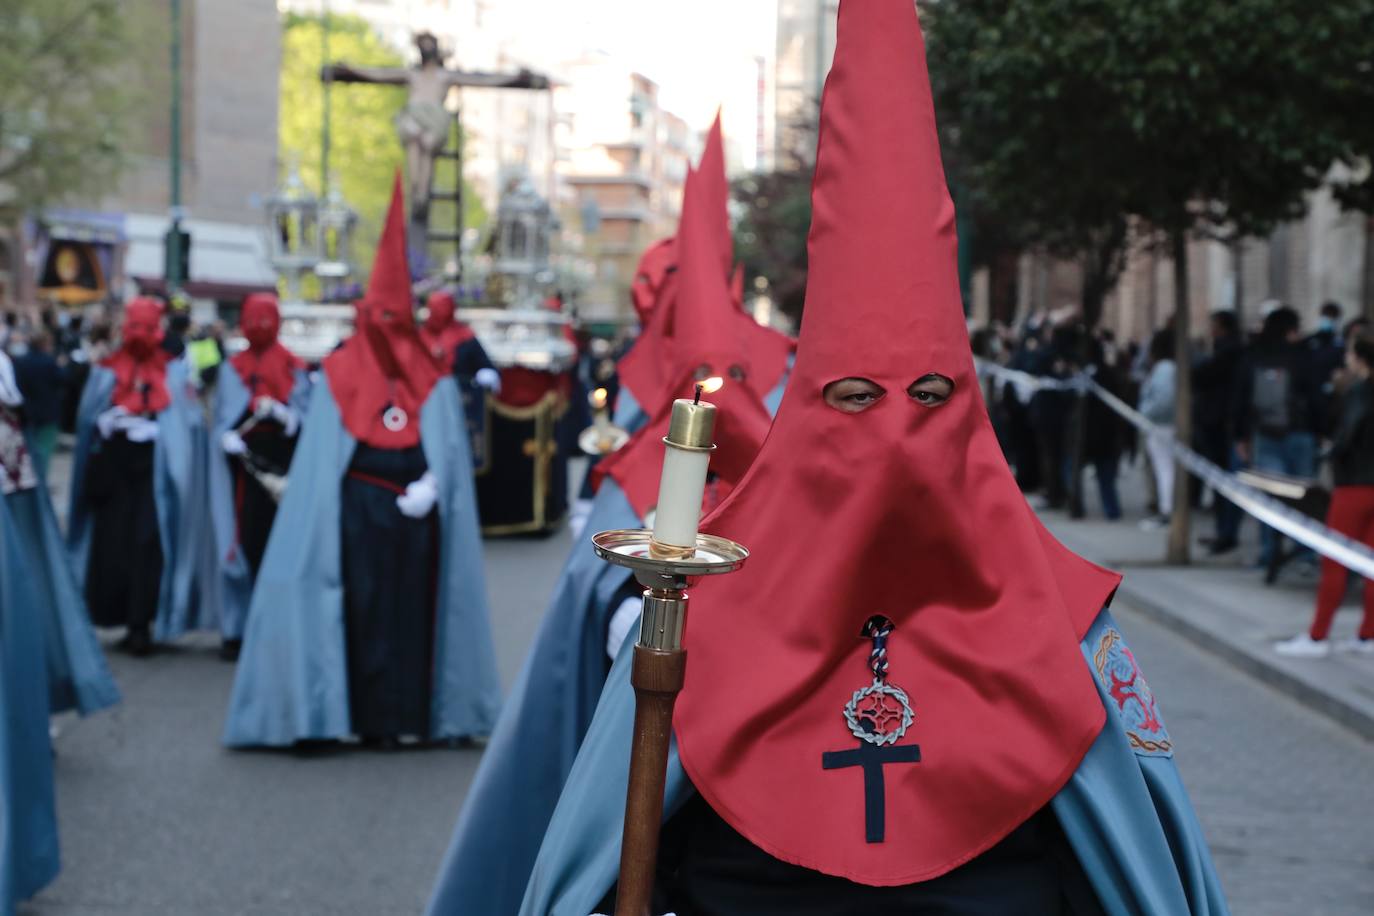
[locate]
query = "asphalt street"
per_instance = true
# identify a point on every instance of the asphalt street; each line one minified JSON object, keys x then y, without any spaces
{"x":157,"y":819}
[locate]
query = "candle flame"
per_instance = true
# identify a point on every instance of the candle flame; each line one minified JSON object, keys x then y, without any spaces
{"x":711,"y":385}
{"x":598,"y":398}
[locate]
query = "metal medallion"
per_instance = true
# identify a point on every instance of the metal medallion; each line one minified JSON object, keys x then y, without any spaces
{"x":879,"y":714}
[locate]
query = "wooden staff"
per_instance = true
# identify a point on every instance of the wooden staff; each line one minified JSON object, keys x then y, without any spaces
{"x":657,"y":678}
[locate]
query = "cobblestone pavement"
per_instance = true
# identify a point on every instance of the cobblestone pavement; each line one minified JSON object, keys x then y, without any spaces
{"x":1285,"y":796}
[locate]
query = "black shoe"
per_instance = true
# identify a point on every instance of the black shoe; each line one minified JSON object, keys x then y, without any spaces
{"x":1218,"y":547}
{"x":137,"y":642}
{"x":229,"y":650}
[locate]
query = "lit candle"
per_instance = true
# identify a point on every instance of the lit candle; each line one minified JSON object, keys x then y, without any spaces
{"x":686,"y":456}
{"x":600,"y":416}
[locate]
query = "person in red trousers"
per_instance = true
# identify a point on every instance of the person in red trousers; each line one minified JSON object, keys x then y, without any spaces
{"x":1352,"y":509}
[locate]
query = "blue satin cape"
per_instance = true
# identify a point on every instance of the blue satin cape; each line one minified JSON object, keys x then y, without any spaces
{"x":78,"y":677}
{"x":628,"y":415}
{"x":541,"y":728}
{"x":1127,"y":817}
{"x":29,"y":857}
{"x":292,"y":679}
{"x":235,"y":576}
{"x":188,"y":599}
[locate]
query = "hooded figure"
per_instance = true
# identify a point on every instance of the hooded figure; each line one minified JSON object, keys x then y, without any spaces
{"x":29,"y":857}
{"x":259,"y":402}
{"x":137,"y":528}
{"x":454,"y":345}
{"x":645,"y":368}
{"x":595,"y":604}
{"x":77,"y":675}
{"x":370,"y":616}
{"x":884,"y":710}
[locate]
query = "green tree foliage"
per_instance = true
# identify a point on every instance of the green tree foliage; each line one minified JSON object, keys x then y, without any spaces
{"x":364,"y":149}
{"x":1070,"y":118}
{"x":62,"y":115}
{"x":1066,"y":118}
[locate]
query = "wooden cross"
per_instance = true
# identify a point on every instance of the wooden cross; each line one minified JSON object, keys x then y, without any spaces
{"x":872,"y":758}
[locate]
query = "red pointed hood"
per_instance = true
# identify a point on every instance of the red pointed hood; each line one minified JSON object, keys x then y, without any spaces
{"x":716,"y":192}
{"x":653,"y":277}
{"x":384,"y":368}
{"x":267,"y":369}
{"x":442,"y":332}
{"x":140,"y":363}
{"x":707,"y":342}
{"x":902,"y":510}
{"x":645,"y":370}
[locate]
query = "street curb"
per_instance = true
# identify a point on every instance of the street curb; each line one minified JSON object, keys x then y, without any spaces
{"x":1343,"y":712}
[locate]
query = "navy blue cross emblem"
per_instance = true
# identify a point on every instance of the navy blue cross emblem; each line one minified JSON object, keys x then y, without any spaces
{"x":872,"y":758}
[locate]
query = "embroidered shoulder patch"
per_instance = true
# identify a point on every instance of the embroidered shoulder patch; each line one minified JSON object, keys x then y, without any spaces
{"x":1122,"y":680}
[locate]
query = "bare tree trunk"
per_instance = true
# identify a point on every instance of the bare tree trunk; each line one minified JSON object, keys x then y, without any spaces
{"x":1180,"y":525}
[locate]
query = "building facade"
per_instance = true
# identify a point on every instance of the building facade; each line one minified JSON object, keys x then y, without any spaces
{"x":805,"y":49}
{"x":624,"y":161}
{"x":1328,"y":256}
{"x":106,"y":249}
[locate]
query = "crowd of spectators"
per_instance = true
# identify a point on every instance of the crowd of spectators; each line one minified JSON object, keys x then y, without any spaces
{"x":1295,"y":406}
{"x":1269,"y":400}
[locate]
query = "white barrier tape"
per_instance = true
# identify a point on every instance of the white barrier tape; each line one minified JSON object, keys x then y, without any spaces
{"x":1026,"y":384}
{"x":1351,"y":554}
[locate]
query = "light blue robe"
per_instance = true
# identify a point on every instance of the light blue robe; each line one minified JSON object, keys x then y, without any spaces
{"x":1125,"y":811}
{"x":78,"y":677}
{"x":542,"y":725}
{"x":188,"y":599}
{"x":29,"y":857}
{"x":628,"y":415}
{"x":541,"y":728}
{"x":774,"y":398}
{"x":292,"y":679}
{"x":235,"y":576}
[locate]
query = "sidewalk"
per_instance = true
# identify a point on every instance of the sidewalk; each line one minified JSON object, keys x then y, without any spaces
{"x":1223,"y":605}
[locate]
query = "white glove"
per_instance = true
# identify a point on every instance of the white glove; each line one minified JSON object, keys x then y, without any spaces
{"x":577,"y":519}
{"x":139,"y":429}
{"x":108,"y":421}
{"x":489,"y":379}
{"x":233,"y":443}
{"x":419,"y":498}
{"x":625,"y":617}
{"x":270,"y":408}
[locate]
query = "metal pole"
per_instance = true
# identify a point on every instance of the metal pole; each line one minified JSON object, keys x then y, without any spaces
{"x":173,"y":266}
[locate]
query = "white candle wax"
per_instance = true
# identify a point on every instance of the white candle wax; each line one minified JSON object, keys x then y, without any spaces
{"x":680,"y":491}
{"x":687,"y":454}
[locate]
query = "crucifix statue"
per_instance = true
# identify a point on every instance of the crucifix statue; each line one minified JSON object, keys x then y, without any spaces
{"x":423,"y":125}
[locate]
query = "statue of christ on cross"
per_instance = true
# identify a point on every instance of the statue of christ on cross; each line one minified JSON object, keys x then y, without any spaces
{"x":423,"y":125}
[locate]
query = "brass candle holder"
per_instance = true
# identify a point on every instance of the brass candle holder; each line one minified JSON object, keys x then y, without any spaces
{"x":660,"y":666}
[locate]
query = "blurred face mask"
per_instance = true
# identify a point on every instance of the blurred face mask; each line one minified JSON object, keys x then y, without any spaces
{"x":142,"y":329}
{"x":261,"y":321}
